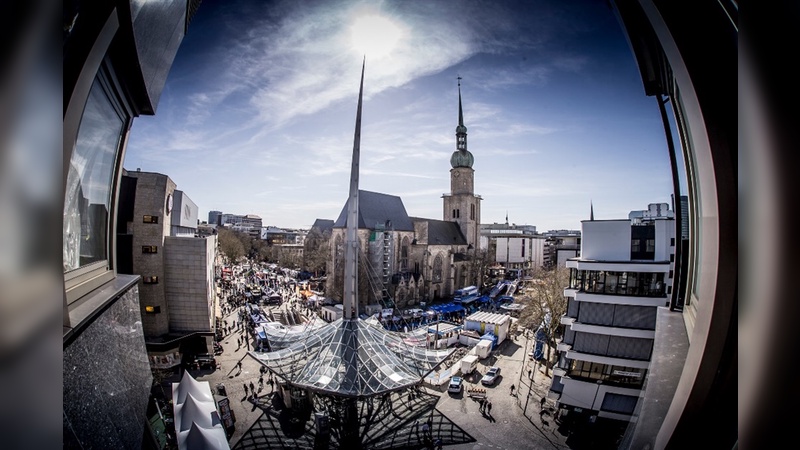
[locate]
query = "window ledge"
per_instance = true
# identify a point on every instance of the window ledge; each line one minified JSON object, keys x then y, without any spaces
{"x":83,"y":311}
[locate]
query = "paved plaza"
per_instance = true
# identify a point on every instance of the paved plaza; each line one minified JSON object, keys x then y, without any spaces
{"x":514,"y":422}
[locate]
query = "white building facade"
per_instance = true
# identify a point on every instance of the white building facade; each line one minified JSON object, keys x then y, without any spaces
{"x":514,"y":246}
{"x":624,"y":274}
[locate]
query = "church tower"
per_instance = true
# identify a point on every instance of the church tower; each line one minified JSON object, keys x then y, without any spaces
{"x":462,"y":205}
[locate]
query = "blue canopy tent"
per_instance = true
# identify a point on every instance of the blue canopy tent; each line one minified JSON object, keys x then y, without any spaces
{"x":541,"y":338}
{"x":490,"y":337}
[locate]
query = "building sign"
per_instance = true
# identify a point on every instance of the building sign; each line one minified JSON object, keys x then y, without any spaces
{"x":165,"y":361}
{"x":624,"y":373}
{"x":226,"y":413}
{"x":186,"y":211}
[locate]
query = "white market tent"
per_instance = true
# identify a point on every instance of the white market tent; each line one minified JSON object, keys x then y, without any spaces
{"x":199,"y":438}
{"x":197,"y":421}
{"x":200,"y":390}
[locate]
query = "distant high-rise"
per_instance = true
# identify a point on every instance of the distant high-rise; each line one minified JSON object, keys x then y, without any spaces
{"x":214,"y":217}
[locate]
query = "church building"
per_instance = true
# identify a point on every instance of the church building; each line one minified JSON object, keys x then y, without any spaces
{"x":408,"y":260}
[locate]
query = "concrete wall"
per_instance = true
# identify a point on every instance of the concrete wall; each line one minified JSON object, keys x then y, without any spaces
{"x":152,"y":190}
{"x":606,"y":240}
{"x":189,"y":277}
{"x":665,"y":231}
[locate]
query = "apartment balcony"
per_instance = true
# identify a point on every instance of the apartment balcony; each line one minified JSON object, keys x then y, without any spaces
{"x":585,"y":296}
{"x":609,"y":360}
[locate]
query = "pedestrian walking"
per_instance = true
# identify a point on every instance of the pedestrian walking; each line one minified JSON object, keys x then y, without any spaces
{"x":542,"y":402}
{"x":530,"y":373}
{"x":512,"y":389}
{"x":271,"y":384}
{"x":489,"y":407}
{"x":239,"y":366}
{"x":245,"y":388}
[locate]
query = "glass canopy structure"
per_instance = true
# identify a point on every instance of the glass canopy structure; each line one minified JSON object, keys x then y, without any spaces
{"x":352,"y":358}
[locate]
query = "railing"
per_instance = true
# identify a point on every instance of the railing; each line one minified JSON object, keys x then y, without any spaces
{"x":636,"y":291}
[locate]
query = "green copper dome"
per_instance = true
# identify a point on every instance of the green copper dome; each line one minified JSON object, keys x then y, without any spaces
{"x":462,"y":158}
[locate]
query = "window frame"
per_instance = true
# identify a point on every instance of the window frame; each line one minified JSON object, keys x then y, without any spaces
{"x":80,"y":281}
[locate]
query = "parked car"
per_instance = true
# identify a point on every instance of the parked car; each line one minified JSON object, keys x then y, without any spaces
{"x":491,"y":376}
{"x":205,"y":361}
{"x":456,"y":385}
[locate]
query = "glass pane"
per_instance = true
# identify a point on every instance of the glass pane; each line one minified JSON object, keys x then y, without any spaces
{"x":87,"y":196}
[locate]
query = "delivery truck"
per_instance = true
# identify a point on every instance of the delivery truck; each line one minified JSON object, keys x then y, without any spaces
{"x":468,"y":364}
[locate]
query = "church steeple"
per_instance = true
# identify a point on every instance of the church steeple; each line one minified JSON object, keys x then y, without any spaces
{"x":461,"y":157}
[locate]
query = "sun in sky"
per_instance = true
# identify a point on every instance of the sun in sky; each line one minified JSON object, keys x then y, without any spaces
{"x":374,"y":35}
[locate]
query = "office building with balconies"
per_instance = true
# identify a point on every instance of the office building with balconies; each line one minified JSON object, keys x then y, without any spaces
{"x":624,"y":274}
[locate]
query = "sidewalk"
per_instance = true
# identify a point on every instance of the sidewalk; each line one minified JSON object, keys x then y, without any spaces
{"x":532,"y":395}
{"x":227,"y":373}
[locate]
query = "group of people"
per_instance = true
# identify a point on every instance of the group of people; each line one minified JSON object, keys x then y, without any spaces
{"x":251,"y":393}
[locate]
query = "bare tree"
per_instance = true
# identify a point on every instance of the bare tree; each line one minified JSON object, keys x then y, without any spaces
{"x":230,"y":245}
{"x":545,"y":304}
{"x":316,"y":251}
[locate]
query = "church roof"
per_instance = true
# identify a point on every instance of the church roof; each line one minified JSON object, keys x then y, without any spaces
{"x":374,"y":209}
{"x":462,"y":158}
{"x":323,"y":225}
{"x":442,"y":232}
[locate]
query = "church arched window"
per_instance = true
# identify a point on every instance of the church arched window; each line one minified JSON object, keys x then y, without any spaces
{"x":437,"y":269}
{"x":404,"y":254}
{"x":472,"y":212}
{"x":339,"y":248}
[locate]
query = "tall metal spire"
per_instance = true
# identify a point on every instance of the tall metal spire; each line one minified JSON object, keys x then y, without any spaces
{"x":350,"y":301}
{"x":460,"y":111}
{"x":591,"y":210}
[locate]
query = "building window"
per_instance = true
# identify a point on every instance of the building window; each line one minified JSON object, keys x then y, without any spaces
{"x":523,"y":249}
{"x":619,"y":403}
{"x":672,"y":257}
{"x":150,"y":280}
{"x":454,"y":214}
{"x":437,"y":269}
{"x":651,"y":246}
{"x":149,"y":249}
{"x":150,"y":219}
{"x":634,"y":245}
{"x":404,"y":254}
{"x":672,"y":242}
{"x":472,"y":212}
{"x":87,"y":197}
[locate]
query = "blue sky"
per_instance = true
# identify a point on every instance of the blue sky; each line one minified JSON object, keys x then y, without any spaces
{"x":257,"y":115}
